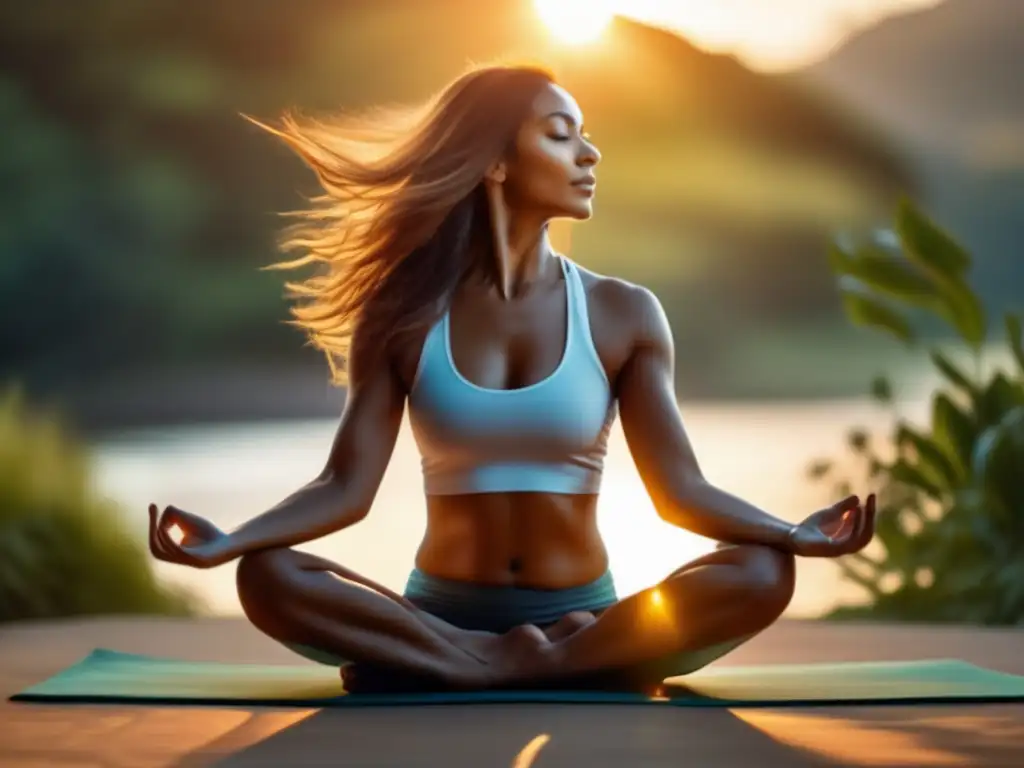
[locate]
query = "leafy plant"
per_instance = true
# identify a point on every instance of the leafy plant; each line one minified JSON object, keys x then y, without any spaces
{"x":65,"y":551}
{"x":951,"y":492}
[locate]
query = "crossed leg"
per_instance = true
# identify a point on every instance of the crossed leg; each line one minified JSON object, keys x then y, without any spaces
{"x":699,"y":612}
{"x":303,"y":600}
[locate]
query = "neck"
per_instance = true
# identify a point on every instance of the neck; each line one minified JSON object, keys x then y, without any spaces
{"x":522,"y":250}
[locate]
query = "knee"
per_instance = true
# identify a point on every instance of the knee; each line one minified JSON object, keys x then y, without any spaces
{"x":771,"y":578}
{"x":260,"y":576}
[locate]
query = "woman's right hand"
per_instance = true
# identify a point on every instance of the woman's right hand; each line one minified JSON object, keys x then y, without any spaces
{"x":842,"y":529}
{"x":203,"y":545}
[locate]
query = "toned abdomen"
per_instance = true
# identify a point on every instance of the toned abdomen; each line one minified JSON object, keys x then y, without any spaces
{"x":530,"y":540}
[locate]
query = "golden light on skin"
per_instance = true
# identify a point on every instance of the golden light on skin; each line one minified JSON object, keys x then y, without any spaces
{"x":658,"y":611}
{"x":575,"y":21}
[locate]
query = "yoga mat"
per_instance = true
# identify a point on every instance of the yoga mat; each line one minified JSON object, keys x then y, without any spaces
{"x":110,"y":676}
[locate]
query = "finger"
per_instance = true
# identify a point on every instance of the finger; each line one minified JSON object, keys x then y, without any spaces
{"x":175,"y":518}
{"x":854,"y":544}
{"x":171,"y":548}
{"x":154,"y":522}
{"x":186,"y":521}
{"x":870,"y":512}
{"x":833,"y":515}
{"x":849,"y":504}
{"x":846,"y":536}
{"x":157,"y":544}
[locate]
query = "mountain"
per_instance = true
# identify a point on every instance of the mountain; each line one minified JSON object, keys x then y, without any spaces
{"x":947,"y":83}
{"x":945,"y":79}
{"x":120,"y":119}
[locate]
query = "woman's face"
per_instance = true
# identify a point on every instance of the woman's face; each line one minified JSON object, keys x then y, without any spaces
{"x":551,"y":171}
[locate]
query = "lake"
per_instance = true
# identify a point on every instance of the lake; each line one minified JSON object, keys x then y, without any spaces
{"x":758,"y":451}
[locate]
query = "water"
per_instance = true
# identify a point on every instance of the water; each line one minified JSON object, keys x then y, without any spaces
{"x":756,"y":451}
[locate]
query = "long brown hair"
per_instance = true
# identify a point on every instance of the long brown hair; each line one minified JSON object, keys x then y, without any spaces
{"x":403,"y":213}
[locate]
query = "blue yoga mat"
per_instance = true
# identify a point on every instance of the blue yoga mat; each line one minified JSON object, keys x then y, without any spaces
{"x":110,"y":676}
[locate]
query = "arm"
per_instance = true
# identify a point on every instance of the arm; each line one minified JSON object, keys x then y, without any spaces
{"x":343,"y":492}
{"x":661,"y":449}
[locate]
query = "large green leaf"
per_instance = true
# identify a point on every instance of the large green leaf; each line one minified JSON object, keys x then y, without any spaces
{"x":1010,"y":580}
{"x":889,"y":531}
{"x":930,"y":246}
{"x":944,"y":260}
{"x":953,"y":431}
{"x":912,"y":476}
{"x":868,"y":311}
{"x":888,"y":274}
{"x":1016,"y":338}
{"x":963,"y":310}
{"x":998,"y":460}
{"x":931,"y":459}
{"x":999,"y":398}
{"x":982,"y":518}
{"x":953,"y":373}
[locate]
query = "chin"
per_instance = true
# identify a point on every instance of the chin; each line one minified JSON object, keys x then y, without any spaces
{"x":577,"y":212}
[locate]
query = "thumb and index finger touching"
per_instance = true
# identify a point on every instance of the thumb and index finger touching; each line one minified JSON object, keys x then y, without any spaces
{"x":160,"y":523}
{"x":858,"y":532}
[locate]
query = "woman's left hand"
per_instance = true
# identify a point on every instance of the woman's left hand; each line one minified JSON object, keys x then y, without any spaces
{"x":842,"y":529}
{"x":203,"y":545}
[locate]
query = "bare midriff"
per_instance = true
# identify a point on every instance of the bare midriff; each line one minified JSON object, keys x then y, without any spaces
{"x":528,"y":540}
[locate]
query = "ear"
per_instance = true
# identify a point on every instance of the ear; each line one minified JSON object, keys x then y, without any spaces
{"x":497,"y":173}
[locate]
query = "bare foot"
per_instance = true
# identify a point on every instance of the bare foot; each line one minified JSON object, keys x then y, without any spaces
{"x":517,"y":658}
{"x":472,"y":672}
{"x":569,"y":624}
{"x":522,"y":656}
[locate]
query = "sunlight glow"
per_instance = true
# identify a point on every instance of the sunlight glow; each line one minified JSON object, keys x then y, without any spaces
{"x":771,"y":36}
{"x":854,"y":739}
{"x":575,"y":21}
{"x":529,"y":753}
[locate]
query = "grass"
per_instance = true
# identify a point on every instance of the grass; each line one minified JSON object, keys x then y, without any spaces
{"x":65,"y":550}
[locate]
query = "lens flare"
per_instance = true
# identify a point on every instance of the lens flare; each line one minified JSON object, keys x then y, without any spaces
{"x":575,"y":21}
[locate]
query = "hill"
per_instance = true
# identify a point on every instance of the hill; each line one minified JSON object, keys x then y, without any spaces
{"x":120,"y":122}
{"x":945,"y":83}
{"x":946,"y":80}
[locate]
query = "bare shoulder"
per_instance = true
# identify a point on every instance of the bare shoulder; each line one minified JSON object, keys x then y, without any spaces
{"x":621,"y":308}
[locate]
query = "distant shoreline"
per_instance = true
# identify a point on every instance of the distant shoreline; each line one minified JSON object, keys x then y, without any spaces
{"x":146,"y":400}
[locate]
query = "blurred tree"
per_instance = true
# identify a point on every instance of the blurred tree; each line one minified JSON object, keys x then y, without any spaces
{"x":138,"y":204}
{"x":64,"y":551}
{"x":950,"y":493}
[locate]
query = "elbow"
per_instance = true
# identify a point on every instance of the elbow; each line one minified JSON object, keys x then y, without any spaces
{"x":347,"y":504}
{"x":354,"y":514}
{"x":680,"y":504}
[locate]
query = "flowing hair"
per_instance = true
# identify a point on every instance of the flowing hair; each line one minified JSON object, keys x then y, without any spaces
{"x":403,"y":215}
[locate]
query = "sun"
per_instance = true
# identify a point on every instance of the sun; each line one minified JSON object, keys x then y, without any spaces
{"x":575,"y":21}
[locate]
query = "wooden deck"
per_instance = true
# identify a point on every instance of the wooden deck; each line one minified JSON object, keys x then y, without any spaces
{"x":497,"y":735}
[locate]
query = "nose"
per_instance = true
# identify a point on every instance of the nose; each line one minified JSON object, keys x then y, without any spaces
{"x":589,"y":156}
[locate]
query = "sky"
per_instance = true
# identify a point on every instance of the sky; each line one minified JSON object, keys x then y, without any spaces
{"x":766,"y":34}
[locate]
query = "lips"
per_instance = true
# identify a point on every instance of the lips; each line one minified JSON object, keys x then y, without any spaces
{"x":586,"y":181}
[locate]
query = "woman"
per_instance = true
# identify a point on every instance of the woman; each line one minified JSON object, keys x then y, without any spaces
{"x":439,"y":289}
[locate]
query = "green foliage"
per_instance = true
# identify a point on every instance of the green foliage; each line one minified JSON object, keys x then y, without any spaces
{"x":138,"y":205}
{"x":950,"y":493}
{"x":64,"y":551}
